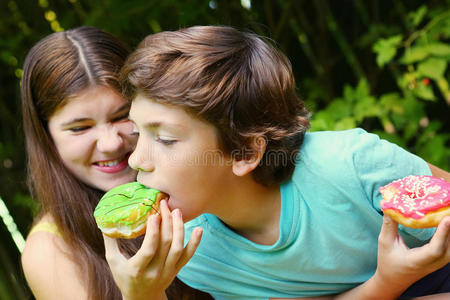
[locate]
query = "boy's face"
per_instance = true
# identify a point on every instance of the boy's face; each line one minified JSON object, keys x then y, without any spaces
{"x":179,"y":155}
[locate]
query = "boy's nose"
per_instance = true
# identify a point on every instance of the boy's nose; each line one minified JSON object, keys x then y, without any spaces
{"x":109,"y":139}
{"x":140,"y":159}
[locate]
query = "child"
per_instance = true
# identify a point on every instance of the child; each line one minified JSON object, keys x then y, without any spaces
{"x":284,"y":213}
{"x":78,"y":141}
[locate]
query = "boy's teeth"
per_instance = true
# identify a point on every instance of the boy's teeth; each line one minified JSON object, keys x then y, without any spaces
{"x":110,"y":163}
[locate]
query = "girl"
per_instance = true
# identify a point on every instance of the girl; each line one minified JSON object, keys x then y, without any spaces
{"x":78,"y":139}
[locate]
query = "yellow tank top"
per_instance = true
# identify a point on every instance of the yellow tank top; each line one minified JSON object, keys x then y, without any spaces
{"x":47,"y":227}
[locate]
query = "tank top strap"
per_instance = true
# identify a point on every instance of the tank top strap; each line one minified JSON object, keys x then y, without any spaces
{"x":47,"y":227}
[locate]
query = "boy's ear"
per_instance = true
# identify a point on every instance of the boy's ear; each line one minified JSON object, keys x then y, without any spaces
{"x":248,"y":159}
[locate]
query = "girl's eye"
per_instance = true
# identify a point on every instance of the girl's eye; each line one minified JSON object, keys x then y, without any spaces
{"x":165,"y":141}
{"x":120,"y":118}
{"x":79,"y":128}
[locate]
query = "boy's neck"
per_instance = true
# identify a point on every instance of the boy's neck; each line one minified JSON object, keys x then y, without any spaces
{"x":253,"y":211}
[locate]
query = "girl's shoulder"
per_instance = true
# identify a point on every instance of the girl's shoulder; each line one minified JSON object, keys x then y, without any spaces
{"x":47,"y":264}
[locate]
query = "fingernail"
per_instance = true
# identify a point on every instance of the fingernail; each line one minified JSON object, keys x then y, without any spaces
{"x":176,"y":213}
{"x":154,"y":219}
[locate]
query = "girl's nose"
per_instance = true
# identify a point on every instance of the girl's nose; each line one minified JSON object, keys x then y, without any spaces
{"x":109,"y":139}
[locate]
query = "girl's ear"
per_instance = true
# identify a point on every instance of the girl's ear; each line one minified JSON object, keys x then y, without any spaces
{"x":248,"y":159}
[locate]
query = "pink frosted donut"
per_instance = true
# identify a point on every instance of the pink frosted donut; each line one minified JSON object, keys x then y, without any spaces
{"x":416,"y":201}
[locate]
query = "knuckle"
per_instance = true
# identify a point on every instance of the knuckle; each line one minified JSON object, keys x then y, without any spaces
{"x":176,"y":250}
{"x":166,"y":241}
{"x":134,"y":273}
{"x":148,"y":252}
{"x":153,"y":274}
{"x":382,"y":241}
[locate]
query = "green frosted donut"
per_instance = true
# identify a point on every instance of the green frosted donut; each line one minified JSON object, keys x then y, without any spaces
{"x":123,"y":211}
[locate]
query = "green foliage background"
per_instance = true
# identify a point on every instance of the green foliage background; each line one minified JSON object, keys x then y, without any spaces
{"x":377,"y":64}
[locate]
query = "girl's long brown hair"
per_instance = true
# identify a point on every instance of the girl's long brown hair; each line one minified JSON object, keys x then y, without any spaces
{"x":57,"y":68}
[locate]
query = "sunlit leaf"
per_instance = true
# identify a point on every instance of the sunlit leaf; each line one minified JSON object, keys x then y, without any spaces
{"x":386,"y":49}
{"x":345,"y":123}
{"x":439,"y":49}
{"x":424,"y":91}
{"x":432,"y":68}
{"x":417,"y":16}
{"x":414,"y":54}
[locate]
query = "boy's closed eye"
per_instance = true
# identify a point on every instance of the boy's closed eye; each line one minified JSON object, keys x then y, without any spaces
{"x":165,"y":141}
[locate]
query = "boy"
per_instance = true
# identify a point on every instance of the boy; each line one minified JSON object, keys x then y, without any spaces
{"x":284,"y":213}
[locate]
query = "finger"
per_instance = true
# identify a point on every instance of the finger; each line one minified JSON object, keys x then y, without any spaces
{"x":191,"y":247}
{"x":437,"y":250}
{"x":389,"y":232}
{"x":149,"y":245}
{"x":439,"y":243}
{"x":112,"y":251}
{"x":166,"y":230}
{"x":176,"y":249}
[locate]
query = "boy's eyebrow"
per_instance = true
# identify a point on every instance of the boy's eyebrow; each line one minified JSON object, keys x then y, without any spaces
{"x":77,"y":120}
{"x":155,"y":125}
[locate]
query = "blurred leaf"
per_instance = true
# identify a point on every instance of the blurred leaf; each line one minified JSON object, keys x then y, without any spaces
{"x":391,"y":102}
{"x":443,"y":86}
{"x":362,"y":89}
{"x":432,"y":68}
{"x":439,"y":49}
{"x":345,"y":123}
{"x":414,"y":54}
{"x":391,"y":137}
{"x":366,"y":107}
{"x":417,"y":16}
{"x":424,"y":91}
{"x":386,"y":49}
{"x":321,"y":121}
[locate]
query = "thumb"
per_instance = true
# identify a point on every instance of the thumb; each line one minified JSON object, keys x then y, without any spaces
{"x":112,"y":251}
{"x":389,"y":231}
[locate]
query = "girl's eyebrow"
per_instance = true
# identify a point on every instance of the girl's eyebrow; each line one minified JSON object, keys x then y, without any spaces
{"x":126,"y":106}
{"x":73,"y":121}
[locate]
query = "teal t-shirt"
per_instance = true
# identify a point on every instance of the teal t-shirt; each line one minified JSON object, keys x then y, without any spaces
{"x":329,"y":224}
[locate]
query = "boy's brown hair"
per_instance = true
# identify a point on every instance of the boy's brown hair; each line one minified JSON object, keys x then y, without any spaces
{"x":236,"y":81}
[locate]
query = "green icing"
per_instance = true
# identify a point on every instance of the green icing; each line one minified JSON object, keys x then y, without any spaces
{"x":121,"y":201}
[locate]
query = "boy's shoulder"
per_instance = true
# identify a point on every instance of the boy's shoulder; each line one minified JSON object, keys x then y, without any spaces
{"x":334,"y":144}
{"x":334,"y":154}
{"x":342,"y":137}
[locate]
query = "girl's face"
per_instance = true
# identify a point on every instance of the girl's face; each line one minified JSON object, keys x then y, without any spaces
{"x":94,"y":138}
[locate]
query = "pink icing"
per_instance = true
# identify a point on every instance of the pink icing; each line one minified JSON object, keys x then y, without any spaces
{"x":414,"y":196}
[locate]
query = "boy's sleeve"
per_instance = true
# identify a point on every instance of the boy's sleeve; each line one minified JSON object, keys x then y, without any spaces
{"x":377,"y":162}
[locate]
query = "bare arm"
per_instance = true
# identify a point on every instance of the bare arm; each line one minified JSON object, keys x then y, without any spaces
{"x":48,"y":271}
{"x":431,"y":257}
{"x":436,"y":172}
{"x":391,"y":259}
{"x":398,"y":266}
